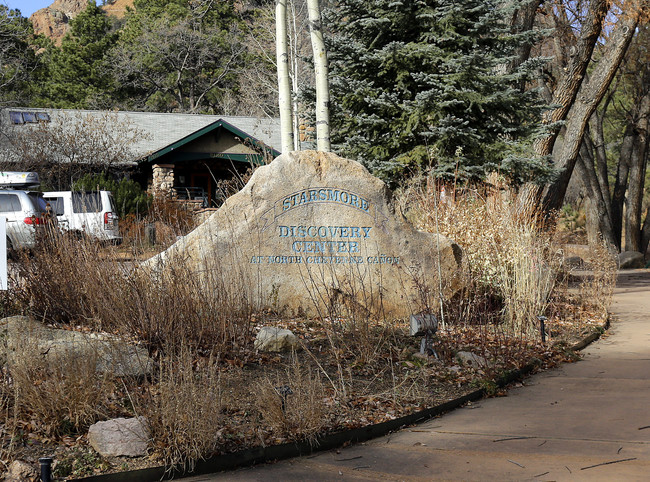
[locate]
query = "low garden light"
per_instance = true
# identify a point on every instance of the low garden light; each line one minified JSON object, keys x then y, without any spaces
{"x":426,"y":325}
{"x":542,"y":328}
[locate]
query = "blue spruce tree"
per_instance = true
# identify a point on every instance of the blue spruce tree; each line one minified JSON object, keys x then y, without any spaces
{"x":433,"y":84}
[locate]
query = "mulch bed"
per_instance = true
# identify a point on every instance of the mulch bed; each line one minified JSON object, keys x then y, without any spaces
{"x":369,"y":378}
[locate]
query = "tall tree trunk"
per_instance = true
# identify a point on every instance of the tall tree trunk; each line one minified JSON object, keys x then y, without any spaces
{"x":645,"y":232}
{"x":322,"y":82}
{"x":597,"y":146}
{"x":569,"y":84}
{"x":572,"y":70}
{"x":620,"y":184}
{"x":596,"y":201}
{"x":284,"y":85}
{"x":588,"y":98}
{"x":636,"y":184}
{"x":295,"y":76}
{"x":523,"y":19}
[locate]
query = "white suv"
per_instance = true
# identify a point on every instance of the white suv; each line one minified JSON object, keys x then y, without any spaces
{"x":92,"y":213}
{"x":25,"y":212}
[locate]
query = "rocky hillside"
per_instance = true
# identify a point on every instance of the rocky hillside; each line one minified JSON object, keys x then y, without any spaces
{"x":53,"y":21}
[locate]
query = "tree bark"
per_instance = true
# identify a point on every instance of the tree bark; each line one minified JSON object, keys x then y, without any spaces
{"x":322,"y":82}
{"x":620,"y":184}
{"x":284,"y":85}
{"x":589,"y":96}
{"x":570,"y":82}
{"x":572,"y":57}
{"x":596,"y":202}
{"x":636,"y":183}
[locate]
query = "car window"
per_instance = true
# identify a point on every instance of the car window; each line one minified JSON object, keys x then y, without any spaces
{"x":37,"y":201}
{"x":111,"y":201}
{"x":86,"y":202}
{"x":56,"y":203}
{"x":9,"y":203}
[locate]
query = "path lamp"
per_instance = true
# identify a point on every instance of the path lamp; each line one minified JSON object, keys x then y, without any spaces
{"x":426,"y":325}
{"x":542,"y":327}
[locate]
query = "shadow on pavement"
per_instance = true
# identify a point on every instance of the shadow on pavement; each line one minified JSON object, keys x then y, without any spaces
{"x":634,"y":278}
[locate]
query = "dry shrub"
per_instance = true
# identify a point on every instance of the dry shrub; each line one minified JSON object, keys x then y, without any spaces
{"x":72,"y":281}
{"x":172,"y":219}
{"x":596,"y":291}
{"x":294,"y":407}
{"x":179,"y":308}
{"x":59,"y":281}
{"x":349,"y":310}
{"x":183,"y":411}
{"x":132,"y":230}
{"x":511,"y":264}
{"x":229,"y":187}
{"x":61,"y":394}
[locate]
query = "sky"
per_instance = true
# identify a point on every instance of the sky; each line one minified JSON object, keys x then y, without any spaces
{"x":27,"y":7}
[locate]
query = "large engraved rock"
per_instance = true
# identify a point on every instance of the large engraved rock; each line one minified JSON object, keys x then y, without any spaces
{"x":318,"y":234}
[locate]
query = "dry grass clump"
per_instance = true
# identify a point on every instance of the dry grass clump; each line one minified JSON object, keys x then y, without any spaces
{"x":61,"y":395}
{"x":597,"y":291}
{"x":294,"y":406}
{"x":183,"y":410}
{"x":177,"y":217}
{"x":511,"y":264}
{"x":72,"y":281}
{"x":59,"y":280}
{"x":178,"y":308}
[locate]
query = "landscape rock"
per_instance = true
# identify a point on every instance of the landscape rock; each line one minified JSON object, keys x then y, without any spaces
{"x":631,"y":260}
{"x":120,"y":437}
{"x":574,"y":262}
{"x":20,"y":471}
{"x":471,"y":359}
{"x":273,"y":339}
{"x":111,"y":354}
{"x":313,"y":233}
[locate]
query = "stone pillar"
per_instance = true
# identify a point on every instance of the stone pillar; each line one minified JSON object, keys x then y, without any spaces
{"x":163,"y":180}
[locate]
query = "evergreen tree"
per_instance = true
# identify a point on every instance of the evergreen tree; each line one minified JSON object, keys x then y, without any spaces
{"x":17,"y":58}
{"x":180,"y":55}
{"x":429,"y":83}
{"x":76,"y":74}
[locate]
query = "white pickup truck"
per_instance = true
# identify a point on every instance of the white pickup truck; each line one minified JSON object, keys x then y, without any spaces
{"x":91,"y":213}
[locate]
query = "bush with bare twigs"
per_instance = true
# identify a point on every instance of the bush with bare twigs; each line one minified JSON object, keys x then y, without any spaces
{"x":184,"y":410}
{"x":294,"y":405}
{"x":511,"y":263}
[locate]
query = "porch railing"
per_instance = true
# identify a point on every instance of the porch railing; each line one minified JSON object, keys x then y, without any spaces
{"x":195,"y":194}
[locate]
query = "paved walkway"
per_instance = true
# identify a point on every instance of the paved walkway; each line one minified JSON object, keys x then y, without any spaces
{"x":584,"y":421}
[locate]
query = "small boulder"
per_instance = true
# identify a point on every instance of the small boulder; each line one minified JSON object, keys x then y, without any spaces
{"x":631,"y":260}
{"x":574,"y":262}
{"x":273,"y":339}
{"x":120,"y":437}
{"x":20,"y":471}
{"x":471,"y":359}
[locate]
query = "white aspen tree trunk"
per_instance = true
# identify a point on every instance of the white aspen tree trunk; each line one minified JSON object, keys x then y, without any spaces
{"x":294,"y":77}
{"x":284,"y":86}
{"x":322,"y":82}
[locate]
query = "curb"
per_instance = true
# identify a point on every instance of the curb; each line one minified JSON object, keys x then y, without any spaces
{"x":256,"y":455}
